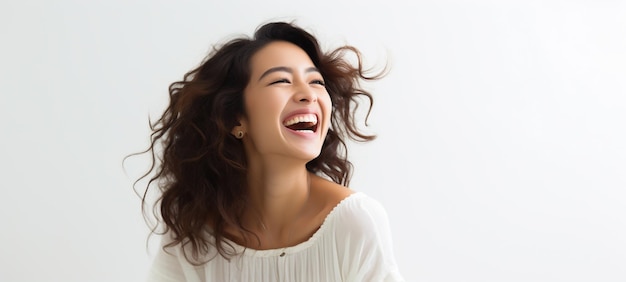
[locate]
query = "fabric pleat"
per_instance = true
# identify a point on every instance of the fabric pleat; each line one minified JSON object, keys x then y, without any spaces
{"x":353,"y":244}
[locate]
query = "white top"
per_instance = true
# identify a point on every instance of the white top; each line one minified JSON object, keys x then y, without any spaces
{"x":353,"y":244}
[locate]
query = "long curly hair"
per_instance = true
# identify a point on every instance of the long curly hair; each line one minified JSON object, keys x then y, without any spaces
{"x":200,"y":168}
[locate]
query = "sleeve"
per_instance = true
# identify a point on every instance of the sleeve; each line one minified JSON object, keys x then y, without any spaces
{"x":165,"y":266}
{"x":366,"y":248}
{"x":170,"y":265}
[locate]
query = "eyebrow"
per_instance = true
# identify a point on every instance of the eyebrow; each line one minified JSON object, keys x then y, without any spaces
{"x":286,"y":69}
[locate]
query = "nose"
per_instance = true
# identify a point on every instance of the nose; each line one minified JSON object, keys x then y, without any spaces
{"x":304,"y":94}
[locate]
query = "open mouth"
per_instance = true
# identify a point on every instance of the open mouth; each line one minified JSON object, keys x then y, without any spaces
{"x":302,"y":123}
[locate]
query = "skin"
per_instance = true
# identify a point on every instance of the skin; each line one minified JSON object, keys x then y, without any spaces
{"x":288,"y":204}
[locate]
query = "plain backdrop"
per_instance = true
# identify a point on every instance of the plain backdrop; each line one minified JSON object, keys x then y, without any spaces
{"x":501,"y":129}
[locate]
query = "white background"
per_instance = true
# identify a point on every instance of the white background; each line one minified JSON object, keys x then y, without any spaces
{"x":501,"y":129}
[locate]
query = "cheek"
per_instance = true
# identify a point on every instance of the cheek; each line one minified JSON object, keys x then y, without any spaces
{"x":327,"y":110}
{"x":262,"y":113}
{"x":327,"y":105}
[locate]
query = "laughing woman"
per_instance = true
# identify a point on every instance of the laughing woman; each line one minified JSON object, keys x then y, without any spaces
{"x":252,"y":170}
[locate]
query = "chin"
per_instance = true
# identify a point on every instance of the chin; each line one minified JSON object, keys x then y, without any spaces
{"x":309,"y":155}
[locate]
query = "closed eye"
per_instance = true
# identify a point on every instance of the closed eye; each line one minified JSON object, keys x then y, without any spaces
{"x":318,"y":81}
{"x":284,"y":80}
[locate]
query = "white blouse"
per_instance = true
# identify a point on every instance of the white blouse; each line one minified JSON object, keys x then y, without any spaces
{"x":353,"y":244}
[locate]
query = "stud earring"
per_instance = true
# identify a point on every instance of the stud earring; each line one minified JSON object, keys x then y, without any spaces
{"x":239,"y":134}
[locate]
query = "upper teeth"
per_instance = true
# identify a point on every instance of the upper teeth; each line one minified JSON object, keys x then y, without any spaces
{"x":301,"y":118}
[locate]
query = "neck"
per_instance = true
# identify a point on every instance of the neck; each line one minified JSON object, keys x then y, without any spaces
{"x":278,"y":194}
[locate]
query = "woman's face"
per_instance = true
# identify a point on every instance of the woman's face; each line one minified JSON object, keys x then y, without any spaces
{"x":286,"y":104}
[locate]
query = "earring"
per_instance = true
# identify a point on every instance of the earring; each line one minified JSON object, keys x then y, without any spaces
{"x":239,"y":134}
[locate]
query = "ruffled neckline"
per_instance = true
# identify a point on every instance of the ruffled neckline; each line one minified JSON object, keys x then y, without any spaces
{"x":299,"y":247}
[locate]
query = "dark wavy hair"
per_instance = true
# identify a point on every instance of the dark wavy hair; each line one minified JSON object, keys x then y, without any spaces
{"x":201,"y":167}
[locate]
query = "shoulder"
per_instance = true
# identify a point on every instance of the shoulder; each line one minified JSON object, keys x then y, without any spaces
{"x":355,"y":210}
{"x":351,"y":214}
{"x":325,"y":196}
{"x":363,"y":239}
{"x":361,"y":214}
{"x":328,"y":193}
{"x":169,"y":264}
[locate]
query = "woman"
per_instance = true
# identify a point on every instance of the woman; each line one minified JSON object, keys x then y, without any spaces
{"x":253,"y":168}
